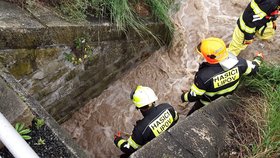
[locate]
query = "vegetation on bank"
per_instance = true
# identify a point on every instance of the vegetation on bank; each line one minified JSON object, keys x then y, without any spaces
{"x":263,"y":115}
{"x":125,"y":14}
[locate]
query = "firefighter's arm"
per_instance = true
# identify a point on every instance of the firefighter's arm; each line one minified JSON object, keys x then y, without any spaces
{"x":248,"y":23}
{"x":253,"y":66}
{"x":127,"y":146}
{"x":196,"y":92}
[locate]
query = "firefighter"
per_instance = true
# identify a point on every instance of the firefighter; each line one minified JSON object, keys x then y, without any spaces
{"x":220,"y":75}
{"x":258,"y":19}
{"x":157,"y":119}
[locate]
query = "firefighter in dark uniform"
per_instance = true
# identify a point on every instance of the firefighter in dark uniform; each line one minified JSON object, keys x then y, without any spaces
{"x":157,"y":119}
{"x":220,"y":75}
{"x":257,"y":19}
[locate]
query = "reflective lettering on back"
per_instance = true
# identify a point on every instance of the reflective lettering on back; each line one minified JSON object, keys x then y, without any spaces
{"x":161,"y":123}
{"x":226,"y":78}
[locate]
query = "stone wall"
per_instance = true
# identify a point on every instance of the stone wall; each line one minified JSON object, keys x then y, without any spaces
{"x":33,"y":46}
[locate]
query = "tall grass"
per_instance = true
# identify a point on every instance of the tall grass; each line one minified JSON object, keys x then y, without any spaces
{"x":120,"y":12}
{"x":124,"y":16}
{"x":267,"y":82}
{"x":160,"y":10}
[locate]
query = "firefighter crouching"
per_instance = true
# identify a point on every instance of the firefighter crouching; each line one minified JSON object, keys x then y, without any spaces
{"x":157,"y":119}
{"x":220,"y":75}
{"x":258,"y":19}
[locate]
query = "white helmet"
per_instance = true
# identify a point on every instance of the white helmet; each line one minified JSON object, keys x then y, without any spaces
{"x":143,"y":96}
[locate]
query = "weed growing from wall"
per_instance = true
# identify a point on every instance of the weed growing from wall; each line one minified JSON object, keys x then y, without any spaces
{"x":81,"y":52}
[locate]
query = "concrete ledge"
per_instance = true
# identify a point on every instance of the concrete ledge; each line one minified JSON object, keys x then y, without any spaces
{"x":12,"y":107}
{"x":40,"y":27}
{"x":202,"y":134}
{"x":38,"y":110}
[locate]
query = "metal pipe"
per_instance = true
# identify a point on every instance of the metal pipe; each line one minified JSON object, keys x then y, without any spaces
{"x":18,"y":147}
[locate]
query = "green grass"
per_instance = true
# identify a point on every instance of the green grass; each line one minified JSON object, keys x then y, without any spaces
{"x":123,"y":16}
{"x":160,"y":10}
{"x":267,"y":82}
{"x":121,"y":12}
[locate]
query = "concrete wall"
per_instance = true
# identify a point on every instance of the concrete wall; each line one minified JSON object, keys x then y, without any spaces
{"x":202,"y":134}
{"x":13,"y":107}
{"x":33,"y":46}
{"x":20,"y":106}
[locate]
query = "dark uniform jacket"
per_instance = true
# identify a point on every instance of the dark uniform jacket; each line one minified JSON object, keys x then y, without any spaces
{"x":156,"y":120}
{"x":212,"y":81}
{"x":256,"y":15}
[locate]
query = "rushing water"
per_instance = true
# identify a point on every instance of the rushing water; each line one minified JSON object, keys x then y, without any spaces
{"x":167,"y":71}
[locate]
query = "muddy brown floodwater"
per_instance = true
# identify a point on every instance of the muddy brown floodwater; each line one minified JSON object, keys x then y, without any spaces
{"x":167,"y":71}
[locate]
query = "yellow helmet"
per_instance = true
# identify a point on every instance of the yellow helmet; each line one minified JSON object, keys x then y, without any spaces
{"x":143,"y":96}
{"x":213,"y":50}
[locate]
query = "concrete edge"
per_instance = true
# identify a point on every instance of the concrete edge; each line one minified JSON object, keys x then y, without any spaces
{"x":47,"y":28}
{"x":61,"y":134}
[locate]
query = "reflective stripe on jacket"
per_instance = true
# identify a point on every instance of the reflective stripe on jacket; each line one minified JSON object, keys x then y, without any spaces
{"x":212,"y":81}
{"x":254,"y":16}
{"x":156,"y":120}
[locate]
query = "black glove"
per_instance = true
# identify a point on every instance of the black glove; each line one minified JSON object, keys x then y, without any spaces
{"x":183,"y":98}
{"x":273,"y":17}
{"x":116,"y":140}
